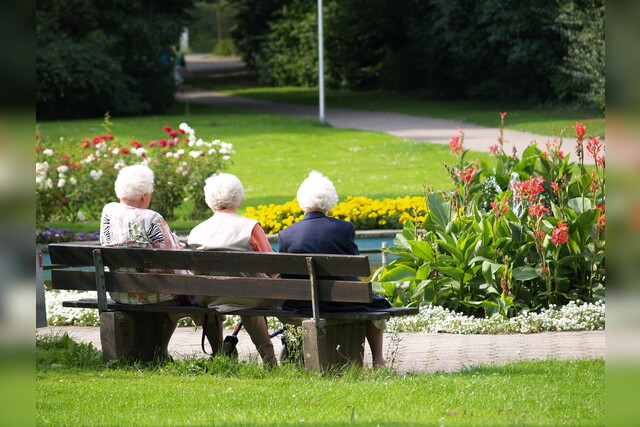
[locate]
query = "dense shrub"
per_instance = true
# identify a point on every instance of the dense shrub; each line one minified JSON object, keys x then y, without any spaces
{"x":537,"y":51}
{"x":109,"y":55}
{"x":538,"y":241}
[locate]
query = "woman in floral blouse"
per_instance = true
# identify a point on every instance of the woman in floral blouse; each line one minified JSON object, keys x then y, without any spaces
{"x":130,"y":223}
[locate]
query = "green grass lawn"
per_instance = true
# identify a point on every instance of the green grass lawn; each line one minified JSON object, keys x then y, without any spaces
{"x":274,"y":153}
{"x":226,"y":392}
{"x":543,"y":121}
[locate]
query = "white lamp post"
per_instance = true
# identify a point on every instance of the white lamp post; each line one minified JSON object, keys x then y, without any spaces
{"x":320,"y":63}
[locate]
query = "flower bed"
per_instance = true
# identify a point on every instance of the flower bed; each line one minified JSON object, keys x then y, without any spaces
{"x":363,"y":212}
{"x":432,"y":319}
{"x":73,"y":179}
{"x":528,"y":237}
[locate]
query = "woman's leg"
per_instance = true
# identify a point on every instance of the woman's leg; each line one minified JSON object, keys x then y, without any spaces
{"x":375,"y":338}
{"x":256,"y":327}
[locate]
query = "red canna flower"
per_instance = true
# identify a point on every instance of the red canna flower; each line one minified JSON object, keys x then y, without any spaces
{"x":529,"y":189}
{"x":561,"y":154}
{"x":537,"y":210}
{"x":64,"y":157}
{"x":38,"y":149}
{"x":601,"y":223}
{"x":467,"y":175}
{"x":494,"y":149}
{"x":109,"y":136}
{"x":455,"y":145}
{"x":600,"y":161}
{"x":594,"y":146}
{"x":501,"y":208}
{"x":581,"y":131}
{"x":539,"y":234}
{"x":502,"y":115}
{"x":554,"y":185}
{"x":560,"y":234}
{"x":85,"y":144}
{"x":601,"y":207}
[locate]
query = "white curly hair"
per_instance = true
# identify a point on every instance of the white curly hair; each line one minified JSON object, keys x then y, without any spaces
{"x":223,"y":191}
{"x":317,"y":192}
{"x":134,"y":182}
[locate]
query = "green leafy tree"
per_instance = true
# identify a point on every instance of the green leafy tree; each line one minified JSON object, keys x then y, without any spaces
{"x":107,"y":55}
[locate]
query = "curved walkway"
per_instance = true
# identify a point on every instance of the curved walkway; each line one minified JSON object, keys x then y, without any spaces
{"x":414,"y":352}
{"x":424,"y":129}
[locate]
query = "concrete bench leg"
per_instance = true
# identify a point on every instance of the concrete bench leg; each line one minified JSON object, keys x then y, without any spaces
{"x":132,"y":335}
{"x":334,"y":345}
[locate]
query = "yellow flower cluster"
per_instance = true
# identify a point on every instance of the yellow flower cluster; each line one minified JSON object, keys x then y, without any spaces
{"x":364,"y":213}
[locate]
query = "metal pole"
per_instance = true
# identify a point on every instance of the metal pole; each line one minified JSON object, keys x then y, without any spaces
{"x":320,"y":63}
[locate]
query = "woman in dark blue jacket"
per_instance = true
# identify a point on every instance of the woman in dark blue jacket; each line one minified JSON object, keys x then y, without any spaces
{"x":320,"y":234}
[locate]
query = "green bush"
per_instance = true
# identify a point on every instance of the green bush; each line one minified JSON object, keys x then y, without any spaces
{"x":532,"y":52}
{"x":111,"y":55}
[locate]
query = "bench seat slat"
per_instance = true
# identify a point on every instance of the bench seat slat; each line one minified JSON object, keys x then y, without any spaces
{"x":330,"y":290}
{"x":359,"y":315}
{"x":249,"y":262}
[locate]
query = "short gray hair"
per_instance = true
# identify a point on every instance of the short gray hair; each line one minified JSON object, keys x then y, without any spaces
{"x":317,"y":192}
{"x":134,"y":182}
{"x":223,"y":191}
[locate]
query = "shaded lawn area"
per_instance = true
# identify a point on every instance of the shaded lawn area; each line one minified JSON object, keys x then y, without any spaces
{"x":525,"y":393}
{"x":274,"y":153}
{"x":542,"y":121}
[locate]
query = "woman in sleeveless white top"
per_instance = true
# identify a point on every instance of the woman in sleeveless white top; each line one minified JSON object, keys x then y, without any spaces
{"x":231,"y":232}
{"x":226,"y":230}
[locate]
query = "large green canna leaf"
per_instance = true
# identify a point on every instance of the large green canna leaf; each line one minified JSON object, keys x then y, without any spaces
{"x":525,"y":272}
{"x":440,"y":211}
{"x":396,"y":274}
{"x":580,"y":204}
{"x":422,"y":249}
{"x":453,"y":250}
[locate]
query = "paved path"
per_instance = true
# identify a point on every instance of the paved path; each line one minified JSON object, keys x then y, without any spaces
{"x":416,"y":352}
{"x":424,"y":129}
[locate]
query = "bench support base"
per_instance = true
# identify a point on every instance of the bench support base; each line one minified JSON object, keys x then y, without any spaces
{"x":131,"y":335}
{"x":334,"y":345}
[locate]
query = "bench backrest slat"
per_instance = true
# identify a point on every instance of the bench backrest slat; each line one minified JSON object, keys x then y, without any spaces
{"x":329,"y":290}
{"x":221,"y":261}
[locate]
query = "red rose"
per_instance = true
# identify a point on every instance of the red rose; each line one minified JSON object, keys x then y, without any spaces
{"x":167,"y":128}
{"x":173,"y":134}
{"x":163,"y":142}
{"x":124,"y":151}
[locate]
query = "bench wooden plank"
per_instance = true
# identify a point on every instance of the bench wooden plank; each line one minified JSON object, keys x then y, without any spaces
{"x":230,"y":262}
{"x":178,"y":284}
{"x":355,"y":315}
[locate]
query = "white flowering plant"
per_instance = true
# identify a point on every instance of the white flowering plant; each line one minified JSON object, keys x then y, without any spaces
{"x":431,"y":319}
{"x":73,"y":180}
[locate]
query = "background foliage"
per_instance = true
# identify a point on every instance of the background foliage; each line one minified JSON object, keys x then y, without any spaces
{"x":107,"y":55}
{"x":534,"y":52}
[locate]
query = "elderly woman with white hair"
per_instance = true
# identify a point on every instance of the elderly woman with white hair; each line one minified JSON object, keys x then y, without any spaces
{"x":319,"y":233}
{"x":130,"y":223}
{"x":226,"y":230}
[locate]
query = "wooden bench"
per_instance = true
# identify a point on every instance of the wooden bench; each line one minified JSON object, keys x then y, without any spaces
{"x":131,"y":331}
